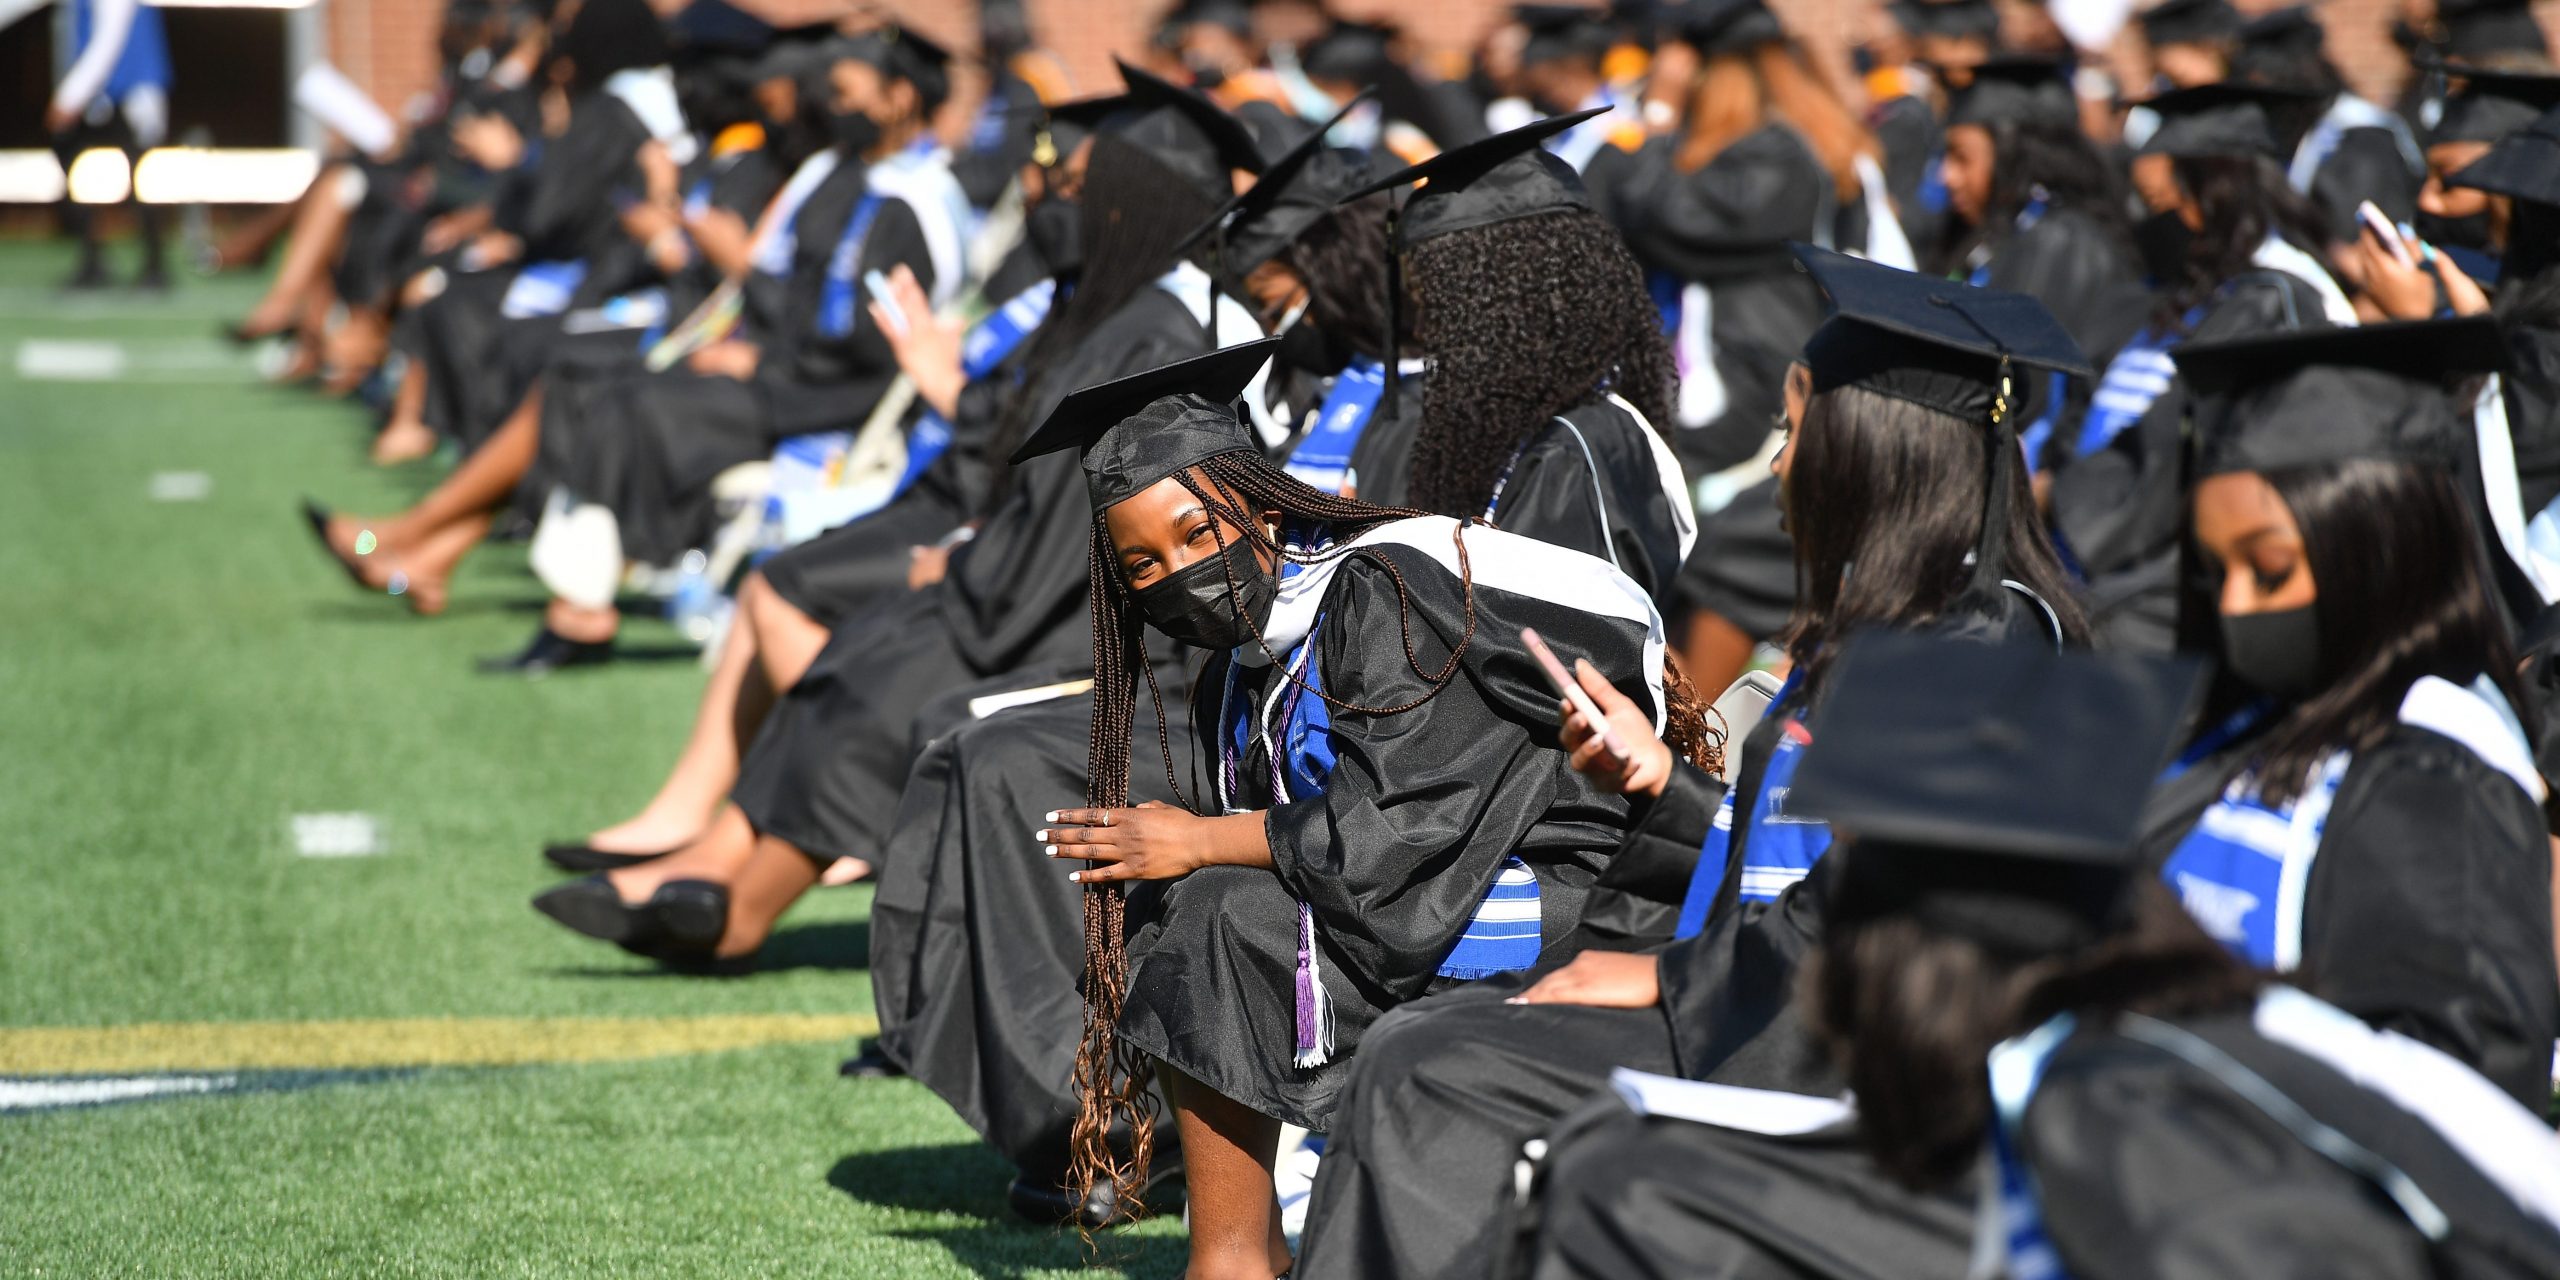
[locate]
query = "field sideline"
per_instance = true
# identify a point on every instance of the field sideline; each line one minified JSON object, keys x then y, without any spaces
{"x":222,"y":1057}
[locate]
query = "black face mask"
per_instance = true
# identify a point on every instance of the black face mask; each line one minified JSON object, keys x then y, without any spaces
{"x":1193,"y":604}
{"x":2470,"y":232}
{"x":855,"y":133}
{"x":1305,"y":346}
{"x":1055,"y":228}
{"x":2276,"y":653}
{"x":2164,"y":240}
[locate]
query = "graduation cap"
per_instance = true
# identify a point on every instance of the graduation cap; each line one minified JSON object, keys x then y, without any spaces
{"x":2292,"y":30}
{"x":904,"y":55}
{"x":794,"y":52}
{"x":1561,"y":31}
{"x":2227,"y":118}
{"x":2524,"y":165}
{"x":1993,"y":792}
{"x":2189,"y":22}
{"x":1139,"y":429}
{"x":1715,"y":27}
{"x":2015,"y":90}
{"x":1189,"y":134}
{"x":1299,"y":186}
{"x":1229,"y":16}
{"x":1944,"y":345}
{"x":1349,"y":53}
{"x":1507,"y":176}
{"x":2486,"y":28}
{"x":2311,"y":396}
{"x":1948,"y":19}
{"x":2492,"y":104}
{"x":1060,"y":129}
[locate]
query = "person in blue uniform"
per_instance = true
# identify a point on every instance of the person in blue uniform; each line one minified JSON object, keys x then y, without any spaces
{"x":2053,"y":1071}
{"x":114,"y":94}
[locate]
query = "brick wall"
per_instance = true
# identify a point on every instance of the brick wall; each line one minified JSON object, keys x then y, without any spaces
{"x":389,"y":45}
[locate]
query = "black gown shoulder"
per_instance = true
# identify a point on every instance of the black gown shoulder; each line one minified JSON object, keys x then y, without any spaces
{"x":2088,"y":278}
{"x":2429,"y":909}
{"x":1590,"y":482}
{"x":1731,"y":217}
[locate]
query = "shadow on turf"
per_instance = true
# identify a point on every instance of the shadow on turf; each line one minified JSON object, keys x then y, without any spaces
{"x":838,"y":946}
{"x":968,"y":1180}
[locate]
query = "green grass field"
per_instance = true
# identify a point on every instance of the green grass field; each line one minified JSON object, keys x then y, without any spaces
{"x":178,"y":680}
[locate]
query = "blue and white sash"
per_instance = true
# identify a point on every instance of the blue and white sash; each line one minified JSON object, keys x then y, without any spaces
{"x":2245,"y":869}
{"x":920,"y":175}
{"x":1322,"y":457}
{"x":988,"y":342}
{"x":1297,"y":724}
{"x":2135,"y":380}
{"x":778,"y":231}
{"x":842,"y":293}
{"x":1780,"y":846}
{"x":543,"y":289}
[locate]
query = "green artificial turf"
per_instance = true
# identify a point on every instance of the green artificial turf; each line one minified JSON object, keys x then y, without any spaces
{"x":177,"y":680}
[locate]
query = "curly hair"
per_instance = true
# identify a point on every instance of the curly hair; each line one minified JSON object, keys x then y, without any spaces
{"x":1524,"y":320}
{"x":1338,"y":257}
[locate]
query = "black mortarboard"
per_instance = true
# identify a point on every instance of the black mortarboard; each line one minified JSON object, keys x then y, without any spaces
{"x":793,"y":52}
{"x":2524,"y":165}
{"x":1948,"y":19}
{"x":2189,"y":22}
{"x":905,"y":55}
{"x":2492,"y":104}
{"x":1926,"y":339}
{"x":2227,"y":118}
{"x":1350,"y":53}
{"x":704,"y":25}
{"x":1189,"y":134}
{"x":2485,"y":28}
{"x":1509,"y":175}
{"x":1725,"y":26}
{"x":1944,"y":345}
{"x":1990,"y":791}
{"x":2294,"y":29}
{"x":1230,"y":16}
{"x":1559,"y":31}
{"x":2311,"y":396}
{"x":1299,"y":186}
{"x":2015,"y":90}
{"x":1136,"y":430}
{"x":1064,"y":127}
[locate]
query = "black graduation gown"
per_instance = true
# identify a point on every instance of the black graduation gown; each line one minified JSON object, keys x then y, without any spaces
{"x":2367,"y":165}
{"x":2149,"y":1168}
{"x":1726,"y":227}
{"x":1907,"y":129}
{"x":2120,"y":510}
{"x":1597,"y":489}
{"x":2532,"y":383}
{"x":2090,"y":281}
{"x":826,"y":770}
{"x":2428,"y":910}
{"x":648,"y":445}
{"x":1418,"y":816}
{"x":977,"y":940}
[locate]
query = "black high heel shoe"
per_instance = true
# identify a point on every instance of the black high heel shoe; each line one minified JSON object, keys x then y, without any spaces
{"x":550,"y":651}
{"x":587,"y":857}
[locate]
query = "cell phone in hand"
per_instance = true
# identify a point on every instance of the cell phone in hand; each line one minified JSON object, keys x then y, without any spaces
{"x":877,"y":285}
{"x":2379,"y":225}
{"x":1570,"y":690}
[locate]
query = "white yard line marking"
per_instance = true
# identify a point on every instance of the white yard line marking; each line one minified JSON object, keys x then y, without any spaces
{"x":180,"y":486}
{"x":54,"y":360}
{"x":337,"y":835}
{"x":132,"y":360}
{"x":39,"y":1095}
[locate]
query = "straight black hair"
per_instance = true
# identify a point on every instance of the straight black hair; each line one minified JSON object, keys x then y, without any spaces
{"x":2244,"y":199}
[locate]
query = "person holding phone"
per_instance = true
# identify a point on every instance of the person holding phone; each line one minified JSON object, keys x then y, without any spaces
{"x":1378,"y":807}
{"x":1907,"y":502}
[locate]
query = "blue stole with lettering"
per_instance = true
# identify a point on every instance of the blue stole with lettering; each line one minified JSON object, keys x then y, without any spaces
{"x":1323,"y":457}
{"x":1780,"y":848}
{"x":989,"y":342}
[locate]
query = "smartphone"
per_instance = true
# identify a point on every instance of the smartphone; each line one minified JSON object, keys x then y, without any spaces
{"x":2379,"y":226}
{"x":1570,"y":690}
{"x":877,"y":285}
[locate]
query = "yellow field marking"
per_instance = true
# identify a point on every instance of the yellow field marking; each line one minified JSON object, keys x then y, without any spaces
{"x":400,"y":1042}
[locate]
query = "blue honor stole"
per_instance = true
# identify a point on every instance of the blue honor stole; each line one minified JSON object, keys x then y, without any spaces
{"x":1323,"y":457}
{"x":1781,"y":848}
{"x":988,"y":343}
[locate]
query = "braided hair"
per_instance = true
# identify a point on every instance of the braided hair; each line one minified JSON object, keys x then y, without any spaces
{"x":1523,"y":320}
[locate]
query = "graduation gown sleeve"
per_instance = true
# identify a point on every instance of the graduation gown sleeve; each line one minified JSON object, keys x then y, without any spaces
{"x":2532,"y":387}
{"x":2429,"y":910}
{"x":1596,"y":489}
{"x":2149,"y":1170}
{"x":1636,"y":904}
{"x":1729,"y":993}
{"x":1421,"y":808}
{"x":1737,"y":212}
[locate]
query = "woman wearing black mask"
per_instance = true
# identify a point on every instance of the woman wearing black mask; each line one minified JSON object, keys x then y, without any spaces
{"x":2363,"y":804}
{"x":2231,"y":249}
{"x":1369,"y":818}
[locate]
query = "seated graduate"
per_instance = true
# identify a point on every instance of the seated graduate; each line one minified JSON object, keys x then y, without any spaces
{"x":2341,"y":150}
{"x":975,"y":944}
{"x":2366,"y":807}
{"x":1550,"y":375}
{"x":1909,"y":509}
{"x":2485,"y":106}
{"x":2231,"y":248}
{"x":822,"y":778}
{"x":2014,"y":1001}
{"x":1379,"y":808}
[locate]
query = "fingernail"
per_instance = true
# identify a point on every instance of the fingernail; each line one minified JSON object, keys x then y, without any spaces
{"x":1516,"y":1000}
{"x":1053,"y":815}
{"x":1075,"y":875}
{"x":1041,"y":835}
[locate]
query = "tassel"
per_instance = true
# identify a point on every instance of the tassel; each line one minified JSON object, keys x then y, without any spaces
{"x":1314,"y":1007}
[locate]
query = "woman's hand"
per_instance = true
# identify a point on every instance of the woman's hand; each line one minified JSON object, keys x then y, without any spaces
{"x":927,"y":345}
{"x":1154,"y":841}
{"x":2403,"y":290}
{"x":1602,"y":979}
{"x":1648,"y":766}
{"x":2460,"y":290}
